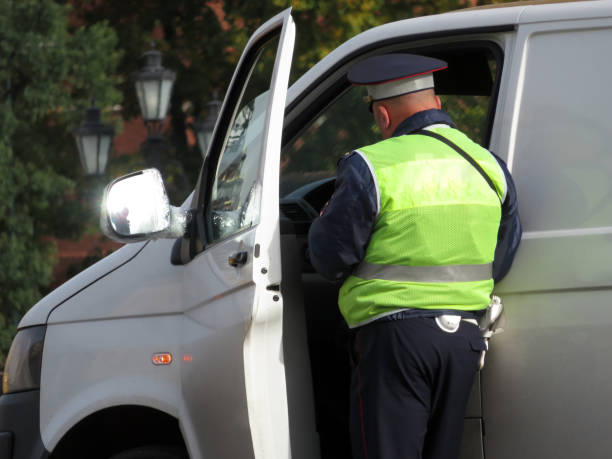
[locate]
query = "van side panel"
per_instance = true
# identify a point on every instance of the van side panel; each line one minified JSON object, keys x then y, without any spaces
{"x":146,"y":307}
{"x":546,"y":385}
{"x":110,"y":366}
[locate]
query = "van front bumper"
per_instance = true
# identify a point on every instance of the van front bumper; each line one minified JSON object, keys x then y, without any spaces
{"x":20,"y":426}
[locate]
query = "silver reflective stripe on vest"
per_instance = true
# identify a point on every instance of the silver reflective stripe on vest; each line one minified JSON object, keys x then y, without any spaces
{"x":376,"y":187}
{"x":452,"y":273}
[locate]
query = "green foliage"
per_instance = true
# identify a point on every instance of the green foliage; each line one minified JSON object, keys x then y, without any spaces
{"x":47,"y":74}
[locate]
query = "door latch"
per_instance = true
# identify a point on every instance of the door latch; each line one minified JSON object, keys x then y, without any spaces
{"x":237,"y":259}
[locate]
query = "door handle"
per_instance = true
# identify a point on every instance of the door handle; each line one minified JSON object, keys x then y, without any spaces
{"x":237,"y":259}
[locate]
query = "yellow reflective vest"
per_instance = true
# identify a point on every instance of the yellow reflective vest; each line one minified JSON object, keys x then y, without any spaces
{"x":434,"y":239}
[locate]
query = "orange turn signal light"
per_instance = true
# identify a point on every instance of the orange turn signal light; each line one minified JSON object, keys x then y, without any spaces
{"x":164,"y":358}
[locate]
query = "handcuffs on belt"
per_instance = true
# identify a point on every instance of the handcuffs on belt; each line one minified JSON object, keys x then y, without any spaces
{"x":490,"y":323}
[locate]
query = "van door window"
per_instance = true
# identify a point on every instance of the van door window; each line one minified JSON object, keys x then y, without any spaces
{"x":562,"y":160}
{"x":234,"y":201}
{"x":347,"y":124}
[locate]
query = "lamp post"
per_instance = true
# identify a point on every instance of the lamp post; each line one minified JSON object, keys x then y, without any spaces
{"x":204,"y":128}
{"x":94,"y":140}
{"x":154,"y":87}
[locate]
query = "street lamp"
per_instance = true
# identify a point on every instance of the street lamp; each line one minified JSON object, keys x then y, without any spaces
{"x":93,"y":141}
{"x":153,"y":87}
{"x":204,"y":128}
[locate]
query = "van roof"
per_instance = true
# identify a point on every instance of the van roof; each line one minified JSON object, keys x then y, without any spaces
{"x":468,"y":20}
{"x":520,"y":3}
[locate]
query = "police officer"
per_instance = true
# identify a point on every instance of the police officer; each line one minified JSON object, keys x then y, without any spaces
{"x":419,"y":227}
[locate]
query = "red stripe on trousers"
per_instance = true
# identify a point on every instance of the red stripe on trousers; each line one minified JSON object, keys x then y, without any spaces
{"x":365,"y":446}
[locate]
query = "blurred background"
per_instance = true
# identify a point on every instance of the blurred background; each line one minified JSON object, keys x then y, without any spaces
{"x":72,"y":71}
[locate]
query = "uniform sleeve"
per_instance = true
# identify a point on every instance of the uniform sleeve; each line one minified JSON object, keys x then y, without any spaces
{"x":510,"y":231}
{"x":339,"y":237}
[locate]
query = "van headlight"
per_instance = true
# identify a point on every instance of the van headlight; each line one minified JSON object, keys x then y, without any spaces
{"x":24,"y":361}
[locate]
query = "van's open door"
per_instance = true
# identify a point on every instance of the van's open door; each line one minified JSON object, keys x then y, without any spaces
{"x":232,"y":372}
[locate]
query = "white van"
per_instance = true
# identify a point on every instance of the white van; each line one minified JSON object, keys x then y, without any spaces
{"x":223,"y":343}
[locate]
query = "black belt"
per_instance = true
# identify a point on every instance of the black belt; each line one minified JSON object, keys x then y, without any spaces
{"x":412,"y":313}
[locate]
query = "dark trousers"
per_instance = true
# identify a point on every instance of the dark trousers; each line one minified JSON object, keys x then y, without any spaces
{"x":409,"y":388}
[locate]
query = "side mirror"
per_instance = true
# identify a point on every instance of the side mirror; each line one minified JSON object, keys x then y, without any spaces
{"x":136,"y":207}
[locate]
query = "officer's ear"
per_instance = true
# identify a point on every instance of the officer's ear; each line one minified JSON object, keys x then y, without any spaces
{"x":438,"y":103}
{"x":382,"y":116}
